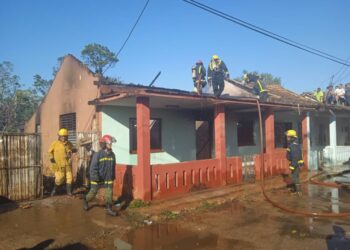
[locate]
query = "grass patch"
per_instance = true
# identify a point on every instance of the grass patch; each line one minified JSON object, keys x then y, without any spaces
{"x":169,"y":215}
{"x":205,"y":205}
{"x":138,"y":204}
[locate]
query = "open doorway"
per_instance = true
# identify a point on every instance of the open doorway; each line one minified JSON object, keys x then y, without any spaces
{"x":203,"y":140}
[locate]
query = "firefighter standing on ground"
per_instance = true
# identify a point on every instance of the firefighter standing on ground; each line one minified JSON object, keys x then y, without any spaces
{"x":198,"y":76}
{"x":217,"y":73}
{"x":295,"y":157}
{"x":60,"y":153}
{"x":102,"y":173}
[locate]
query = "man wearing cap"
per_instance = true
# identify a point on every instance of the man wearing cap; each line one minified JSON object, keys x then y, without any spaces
{"x":295,"y":158}
{"x":198,"y":76}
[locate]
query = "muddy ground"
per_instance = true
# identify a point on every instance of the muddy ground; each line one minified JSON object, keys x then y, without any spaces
{"x":234,"y":217}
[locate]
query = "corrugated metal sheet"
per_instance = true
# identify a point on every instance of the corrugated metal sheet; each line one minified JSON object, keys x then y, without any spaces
{"x":20,"y":166}
{"x":81,"y":167}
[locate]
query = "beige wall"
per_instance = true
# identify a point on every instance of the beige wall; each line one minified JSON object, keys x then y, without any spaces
{"x":70,"y":92}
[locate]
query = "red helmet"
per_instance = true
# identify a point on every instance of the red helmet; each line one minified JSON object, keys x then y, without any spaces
{"x":107,"y":139}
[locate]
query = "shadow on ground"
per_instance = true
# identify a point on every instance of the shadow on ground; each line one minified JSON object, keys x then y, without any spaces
{"x":7,"y":205}
{"x":46,"y":243}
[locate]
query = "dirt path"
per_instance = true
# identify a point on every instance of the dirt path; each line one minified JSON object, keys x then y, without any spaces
{"x":234,"y":217}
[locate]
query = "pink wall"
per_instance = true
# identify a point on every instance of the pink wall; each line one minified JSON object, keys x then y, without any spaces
{"x":70,"y":92}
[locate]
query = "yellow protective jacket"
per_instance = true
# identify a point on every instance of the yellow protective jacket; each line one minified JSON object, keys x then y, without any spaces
{"x":61,"y":152}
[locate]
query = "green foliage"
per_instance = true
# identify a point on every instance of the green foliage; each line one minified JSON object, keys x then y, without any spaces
{"x":167,"y":214}
{"x":138,"y":204}
{"x":41,"y":85}
{"x":99,"y":57}
{"x":9,"y":84}
{"x":27,"y":102}
{"x":205,"y":205}
{"x":16,"y":104}
{"x":57,"y":67}
{"x":266,"y":78}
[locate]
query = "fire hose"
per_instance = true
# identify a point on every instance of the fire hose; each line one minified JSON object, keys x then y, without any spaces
{"x":311,"y":180}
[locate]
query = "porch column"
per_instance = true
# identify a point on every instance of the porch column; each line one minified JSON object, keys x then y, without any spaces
{"x":220,"y":141}
{"x":270,"y":132}
{"x":305,"y":128}
{"x":143,"y":179}
{"x":333,"y":137}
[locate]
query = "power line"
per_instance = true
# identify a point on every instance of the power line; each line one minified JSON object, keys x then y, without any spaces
{"x":138,"y":19}
{"x":344,"y":77}
{"x":341,"y":71}
{"x":267,"y":33}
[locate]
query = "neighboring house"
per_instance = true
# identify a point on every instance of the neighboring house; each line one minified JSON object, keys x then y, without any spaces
{"x":171,"y":141}
{"x":330,"y":136}
{"x":65,"y":105}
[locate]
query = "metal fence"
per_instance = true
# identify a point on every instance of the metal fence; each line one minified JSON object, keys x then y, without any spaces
{"x":82,"y":162}
{"x":248,"y":168}
{"x":20,"y":166}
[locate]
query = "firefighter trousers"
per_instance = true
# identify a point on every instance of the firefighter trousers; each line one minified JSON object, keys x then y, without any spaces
{"x":94,"y":186}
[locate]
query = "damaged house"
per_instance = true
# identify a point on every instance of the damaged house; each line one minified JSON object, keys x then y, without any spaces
{"x":171,"y":141}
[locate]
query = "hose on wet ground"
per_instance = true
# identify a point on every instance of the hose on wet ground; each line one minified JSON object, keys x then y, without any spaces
{"x":313,"y":180}
{"x":286,"y":208}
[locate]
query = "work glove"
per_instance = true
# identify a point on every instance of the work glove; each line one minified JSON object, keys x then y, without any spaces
{"x":52,"y":160}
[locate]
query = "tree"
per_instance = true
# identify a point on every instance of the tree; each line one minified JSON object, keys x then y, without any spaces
{"x":266,"y":78}
{"x":26,"y":104}
{"x":41,"y":86}
{"x":9,"y":84}
{"x":99,"y":57}
{"x":57,"y":67}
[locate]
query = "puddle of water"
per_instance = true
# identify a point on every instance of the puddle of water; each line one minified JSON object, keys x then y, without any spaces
{"x":170,"y":236}
{"x":328,"y":199}
{"x":61,"y":221}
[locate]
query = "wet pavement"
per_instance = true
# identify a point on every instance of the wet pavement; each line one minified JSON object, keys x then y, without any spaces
{"x":59,"y":219}
{"x":246,"y":222}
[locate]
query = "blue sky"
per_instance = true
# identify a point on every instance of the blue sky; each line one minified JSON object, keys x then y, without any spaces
{"x":172,"y":35}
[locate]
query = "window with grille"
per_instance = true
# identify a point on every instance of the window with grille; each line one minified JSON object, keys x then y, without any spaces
{"x":68,"y":121}
{"x":155,"y":133}
{"x":280,"y":136}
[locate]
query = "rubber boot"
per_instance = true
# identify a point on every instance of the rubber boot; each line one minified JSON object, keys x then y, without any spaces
{"x":85,"y":204}
{"x":292,"y":188}
{"x":110,"y":211}
{"x":298,"y":190}
{"x":69,"y":189}
{"x":53,"y":192}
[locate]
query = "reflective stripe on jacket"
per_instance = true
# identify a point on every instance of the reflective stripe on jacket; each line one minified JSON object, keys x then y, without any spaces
{"x":217,"y":68}
{"x":294,"y":155}
{"x":200,"y":72}
{"x":103,"y":166}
